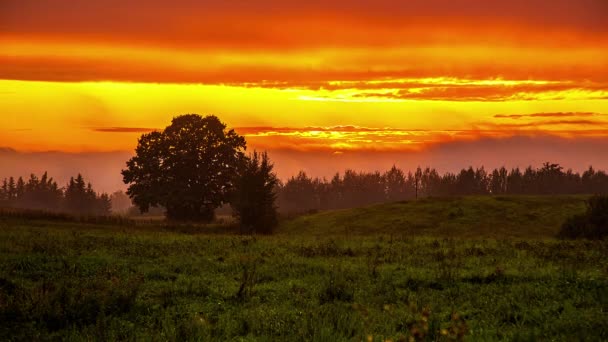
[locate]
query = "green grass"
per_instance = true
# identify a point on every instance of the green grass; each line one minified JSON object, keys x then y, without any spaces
{"x":466,"y":217}
{"x":71,"y":281}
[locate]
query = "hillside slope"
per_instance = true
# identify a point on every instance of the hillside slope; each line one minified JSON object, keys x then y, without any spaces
{"x":481,"y":217}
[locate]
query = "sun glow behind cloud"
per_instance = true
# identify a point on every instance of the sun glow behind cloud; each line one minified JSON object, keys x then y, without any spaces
{"x":107,"y":116}
{"x":343,"y":76}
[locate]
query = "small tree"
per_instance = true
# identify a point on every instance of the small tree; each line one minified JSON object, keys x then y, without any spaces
{"x":417,"y":179}
{"x":20,"y":188}
{"x":11,"y":193}
{"x":103,"y":205}
{"x":75,"y":196}
{"x":394,"y":187}
{"x":81,"y":199}
{"x":254,"y":195}
{"x":4,"y":192}
{"x":121,"y":203}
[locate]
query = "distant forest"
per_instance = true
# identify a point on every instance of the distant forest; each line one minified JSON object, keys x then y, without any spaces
{"x":355,"y":189}
{"x":302,"y":193}
{"x":77,"y":197}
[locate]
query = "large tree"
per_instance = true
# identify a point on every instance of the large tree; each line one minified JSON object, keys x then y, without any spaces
{"x":188,"y":168}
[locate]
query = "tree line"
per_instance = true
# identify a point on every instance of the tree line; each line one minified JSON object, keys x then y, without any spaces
{"x":196,"y":165}
{"x":43,"y":193}
{"x":302,"y":193}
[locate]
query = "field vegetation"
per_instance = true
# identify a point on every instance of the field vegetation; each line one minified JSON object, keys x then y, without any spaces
{"x":473,"y":268}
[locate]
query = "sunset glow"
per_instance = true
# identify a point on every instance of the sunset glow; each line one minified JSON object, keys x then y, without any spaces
{"x":342,"y":77}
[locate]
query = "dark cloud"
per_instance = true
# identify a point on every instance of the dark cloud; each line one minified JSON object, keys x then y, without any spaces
{"x":156,"y":19}
{"x":74,"y":69}
{"x":7,"y":150}
{"x":541,"y":123}
{"x":286,"y":27}
{"x":364,"y":83}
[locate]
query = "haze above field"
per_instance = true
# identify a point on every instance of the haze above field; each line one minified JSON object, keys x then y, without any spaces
{"x":321,"y":86}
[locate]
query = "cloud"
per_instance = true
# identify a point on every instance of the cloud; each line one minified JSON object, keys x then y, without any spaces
{"x":7,"y":150}
{"x":355,"y":138}
{"x":276,"y":21}
{"x":539,"y":125}
{"x":398,"y":70}
{"x":282,"y":44}
{"x":495,"y":92}
{"x":352,"y":138}
{"x":123,"y":129}
{"x":547,"y":115}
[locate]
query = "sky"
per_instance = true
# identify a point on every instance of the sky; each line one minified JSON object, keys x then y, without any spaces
{"x":321,"y":85}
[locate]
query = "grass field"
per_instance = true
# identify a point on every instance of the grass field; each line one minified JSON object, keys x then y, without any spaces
{"x":467,"y":217}
{"x":479,"y":268}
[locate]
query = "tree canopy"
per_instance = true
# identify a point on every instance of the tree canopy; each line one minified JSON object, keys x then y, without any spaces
{"x":188,"y":168}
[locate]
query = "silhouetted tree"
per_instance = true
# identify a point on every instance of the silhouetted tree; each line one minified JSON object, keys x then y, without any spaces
{"x":354,"y":189}
{"x":549,"y":178}
{"x":121,"y":203}
{"x":19,"y":188}
{"x":515,"y":182}
{"x":530,"y":181}
{"x":395,"y":187}
{"x":334,"y":191}
{"x":188,"y":168}
{"x":417,"y":180}
{"x":40,"y":193}
{"x":76,"y":196}
{"x":81,"y":199}
{"x":4,"y":193}
{"x":481,"y":182}
{"x":430,"y":182}
{"x":588,"y":179}
{"x":12,"y":189}
{"x":298,"y":194}
{"x":449,"y":182}
{"x":498,"y":181}
{"x":103,"y":205}
{"x":254,"y":196}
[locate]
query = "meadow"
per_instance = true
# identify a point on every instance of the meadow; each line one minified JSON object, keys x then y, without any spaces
{"x":472,"y":268}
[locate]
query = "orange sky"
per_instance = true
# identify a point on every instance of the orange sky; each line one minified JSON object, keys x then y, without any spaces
{"x":339,"y":77}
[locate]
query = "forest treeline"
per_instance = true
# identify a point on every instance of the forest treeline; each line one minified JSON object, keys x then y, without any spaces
{"x":43,"y":193}
{"x":302,"y":193}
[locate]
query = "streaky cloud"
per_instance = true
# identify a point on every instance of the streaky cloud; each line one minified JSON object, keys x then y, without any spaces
{"x":123,"y":129}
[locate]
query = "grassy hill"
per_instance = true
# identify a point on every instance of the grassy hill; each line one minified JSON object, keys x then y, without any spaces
{"x":332,"y":276}
{"x":482,"y":217}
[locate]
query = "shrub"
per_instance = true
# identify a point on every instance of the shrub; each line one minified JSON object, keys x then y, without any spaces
{"x":591,"y":225}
